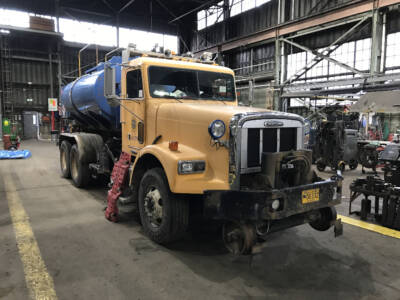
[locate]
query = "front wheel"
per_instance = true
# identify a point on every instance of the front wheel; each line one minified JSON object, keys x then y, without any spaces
{"x":327,"y":216}
{"x":164,"y":216}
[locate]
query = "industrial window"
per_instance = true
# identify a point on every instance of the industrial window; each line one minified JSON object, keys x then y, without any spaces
{"x":240,"y":6}
{"x":356,"y":54}
{"x":210,"y":16}
{"x":393,"y":53}
{"x":147,"y":40}
{"x":215,"y":14}
{"x":86,"y":32}
{"x":14,"y":18}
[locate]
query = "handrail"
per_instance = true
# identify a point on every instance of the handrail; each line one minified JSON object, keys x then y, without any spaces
{"x":79,"y":57}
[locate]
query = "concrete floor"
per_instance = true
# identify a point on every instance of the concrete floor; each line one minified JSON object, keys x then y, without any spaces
{"x":91,"y":258}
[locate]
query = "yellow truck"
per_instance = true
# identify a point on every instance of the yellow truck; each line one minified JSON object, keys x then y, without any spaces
{"x":169,"y":133}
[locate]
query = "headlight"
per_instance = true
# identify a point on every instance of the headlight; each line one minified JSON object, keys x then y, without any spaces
{"x":276,"y":204}
{"x":217,"y":129}
{"x":191,"y":166}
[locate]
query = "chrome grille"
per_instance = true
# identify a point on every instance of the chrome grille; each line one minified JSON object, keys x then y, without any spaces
{"x":255,"y":141}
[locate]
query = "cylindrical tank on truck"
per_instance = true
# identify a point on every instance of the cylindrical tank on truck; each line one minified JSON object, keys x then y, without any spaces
{"x":84,"y":102}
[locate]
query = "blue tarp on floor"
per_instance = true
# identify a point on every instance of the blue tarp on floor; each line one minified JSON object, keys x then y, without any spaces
{"x":5,"y":154}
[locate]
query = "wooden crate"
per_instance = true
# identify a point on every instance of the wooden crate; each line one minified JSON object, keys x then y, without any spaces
{"x":39,"y":23}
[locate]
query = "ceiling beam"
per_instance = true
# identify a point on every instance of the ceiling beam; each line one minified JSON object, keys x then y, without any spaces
{"x":126,"y":6}
{"x":310,"y":22}
{"x":87,"y":12}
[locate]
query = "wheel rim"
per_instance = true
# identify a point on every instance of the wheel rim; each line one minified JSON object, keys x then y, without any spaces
{"x":63,"y":160}
{"x":153,"y":206}
{"x":74,"y":165}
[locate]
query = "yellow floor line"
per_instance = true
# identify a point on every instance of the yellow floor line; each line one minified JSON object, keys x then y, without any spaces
{"x":371,"y":227}
{"x":39,"y":282}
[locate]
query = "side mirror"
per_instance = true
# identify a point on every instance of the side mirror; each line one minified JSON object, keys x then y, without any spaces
{"x":109,"y":85}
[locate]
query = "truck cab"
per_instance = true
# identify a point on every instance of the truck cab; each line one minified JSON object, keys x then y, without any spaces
{"x":193,"y":150}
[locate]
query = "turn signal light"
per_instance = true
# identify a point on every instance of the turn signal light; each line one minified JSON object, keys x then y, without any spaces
{"x":173,"y":146}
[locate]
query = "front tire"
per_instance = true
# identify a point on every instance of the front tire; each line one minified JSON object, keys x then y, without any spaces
{"x":80,"y":172}
{"x":65,"y":150}
{"x":164,"y":216}
{"x":328,"y":216}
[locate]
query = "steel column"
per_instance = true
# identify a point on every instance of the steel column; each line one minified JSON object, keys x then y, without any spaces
{"x":51,"y":76}
{"x":377,"y":42}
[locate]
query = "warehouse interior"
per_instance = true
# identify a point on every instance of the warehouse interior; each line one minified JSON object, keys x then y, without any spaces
{"x":232,"y":149}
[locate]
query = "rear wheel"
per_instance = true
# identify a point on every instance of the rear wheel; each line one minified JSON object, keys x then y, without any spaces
{"x":79,"y":170}
{"x":353,"y":164}
{"x":65,"y":150}
{"x":321,"y":166}
{"x":164,"y":216}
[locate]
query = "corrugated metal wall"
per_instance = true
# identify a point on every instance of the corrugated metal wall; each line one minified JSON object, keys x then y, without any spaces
{"x":30,"y":70}
{"x":244,"y":63}
{"x":261,"y":18}
{"x":304,"y":8}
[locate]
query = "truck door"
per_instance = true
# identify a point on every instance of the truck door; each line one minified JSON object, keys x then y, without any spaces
{"x":132,"y":111}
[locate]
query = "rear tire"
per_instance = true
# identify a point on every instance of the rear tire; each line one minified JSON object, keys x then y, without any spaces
{"x":164,"y":216}
{"x":80,"y":172}
{"x":65,"y":150}
{"x":321,"y":166}
{"x":353,"y":164}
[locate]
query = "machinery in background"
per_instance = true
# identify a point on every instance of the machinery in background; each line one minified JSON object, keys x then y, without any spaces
{"x":333,"y":138}
{"x":329,"y":147}
{"x":386,"y":193}
{"x":391,"y":159}
{"x":368,"y":154}
{"x":351,"y":148}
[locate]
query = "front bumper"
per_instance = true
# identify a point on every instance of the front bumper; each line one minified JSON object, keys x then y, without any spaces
{"x":257,"y":205}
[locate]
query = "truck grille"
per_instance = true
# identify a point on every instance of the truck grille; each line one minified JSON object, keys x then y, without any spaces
{"x":271,"y":140}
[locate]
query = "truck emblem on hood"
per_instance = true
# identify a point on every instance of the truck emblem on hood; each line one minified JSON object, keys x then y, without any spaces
{"x":273,"y":124}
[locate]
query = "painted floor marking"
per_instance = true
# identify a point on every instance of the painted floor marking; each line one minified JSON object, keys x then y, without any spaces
{"x":38,"y":280}
{"x":371,"y":227}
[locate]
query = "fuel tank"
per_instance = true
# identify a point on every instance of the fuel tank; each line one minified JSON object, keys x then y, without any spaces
{"x":83,"y":100}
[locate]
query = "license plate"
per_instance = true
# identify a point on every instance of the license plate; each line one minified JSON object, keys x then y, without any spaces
{"x":310,"y":196}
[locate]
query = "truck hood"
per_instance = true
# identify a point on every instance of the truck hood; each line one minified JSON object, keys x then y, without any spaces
{"x":202,"y":114}
{"x":187,"y":124}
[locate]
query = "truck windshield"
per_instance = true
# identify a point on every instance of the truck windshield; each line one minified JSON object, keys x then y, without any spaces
{"x":177,"y":83}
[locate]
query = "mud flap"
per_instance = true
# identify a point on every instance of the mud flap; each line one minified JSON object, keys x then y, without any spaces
{"x":118,"y":178}
{"x":338,"y":228}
